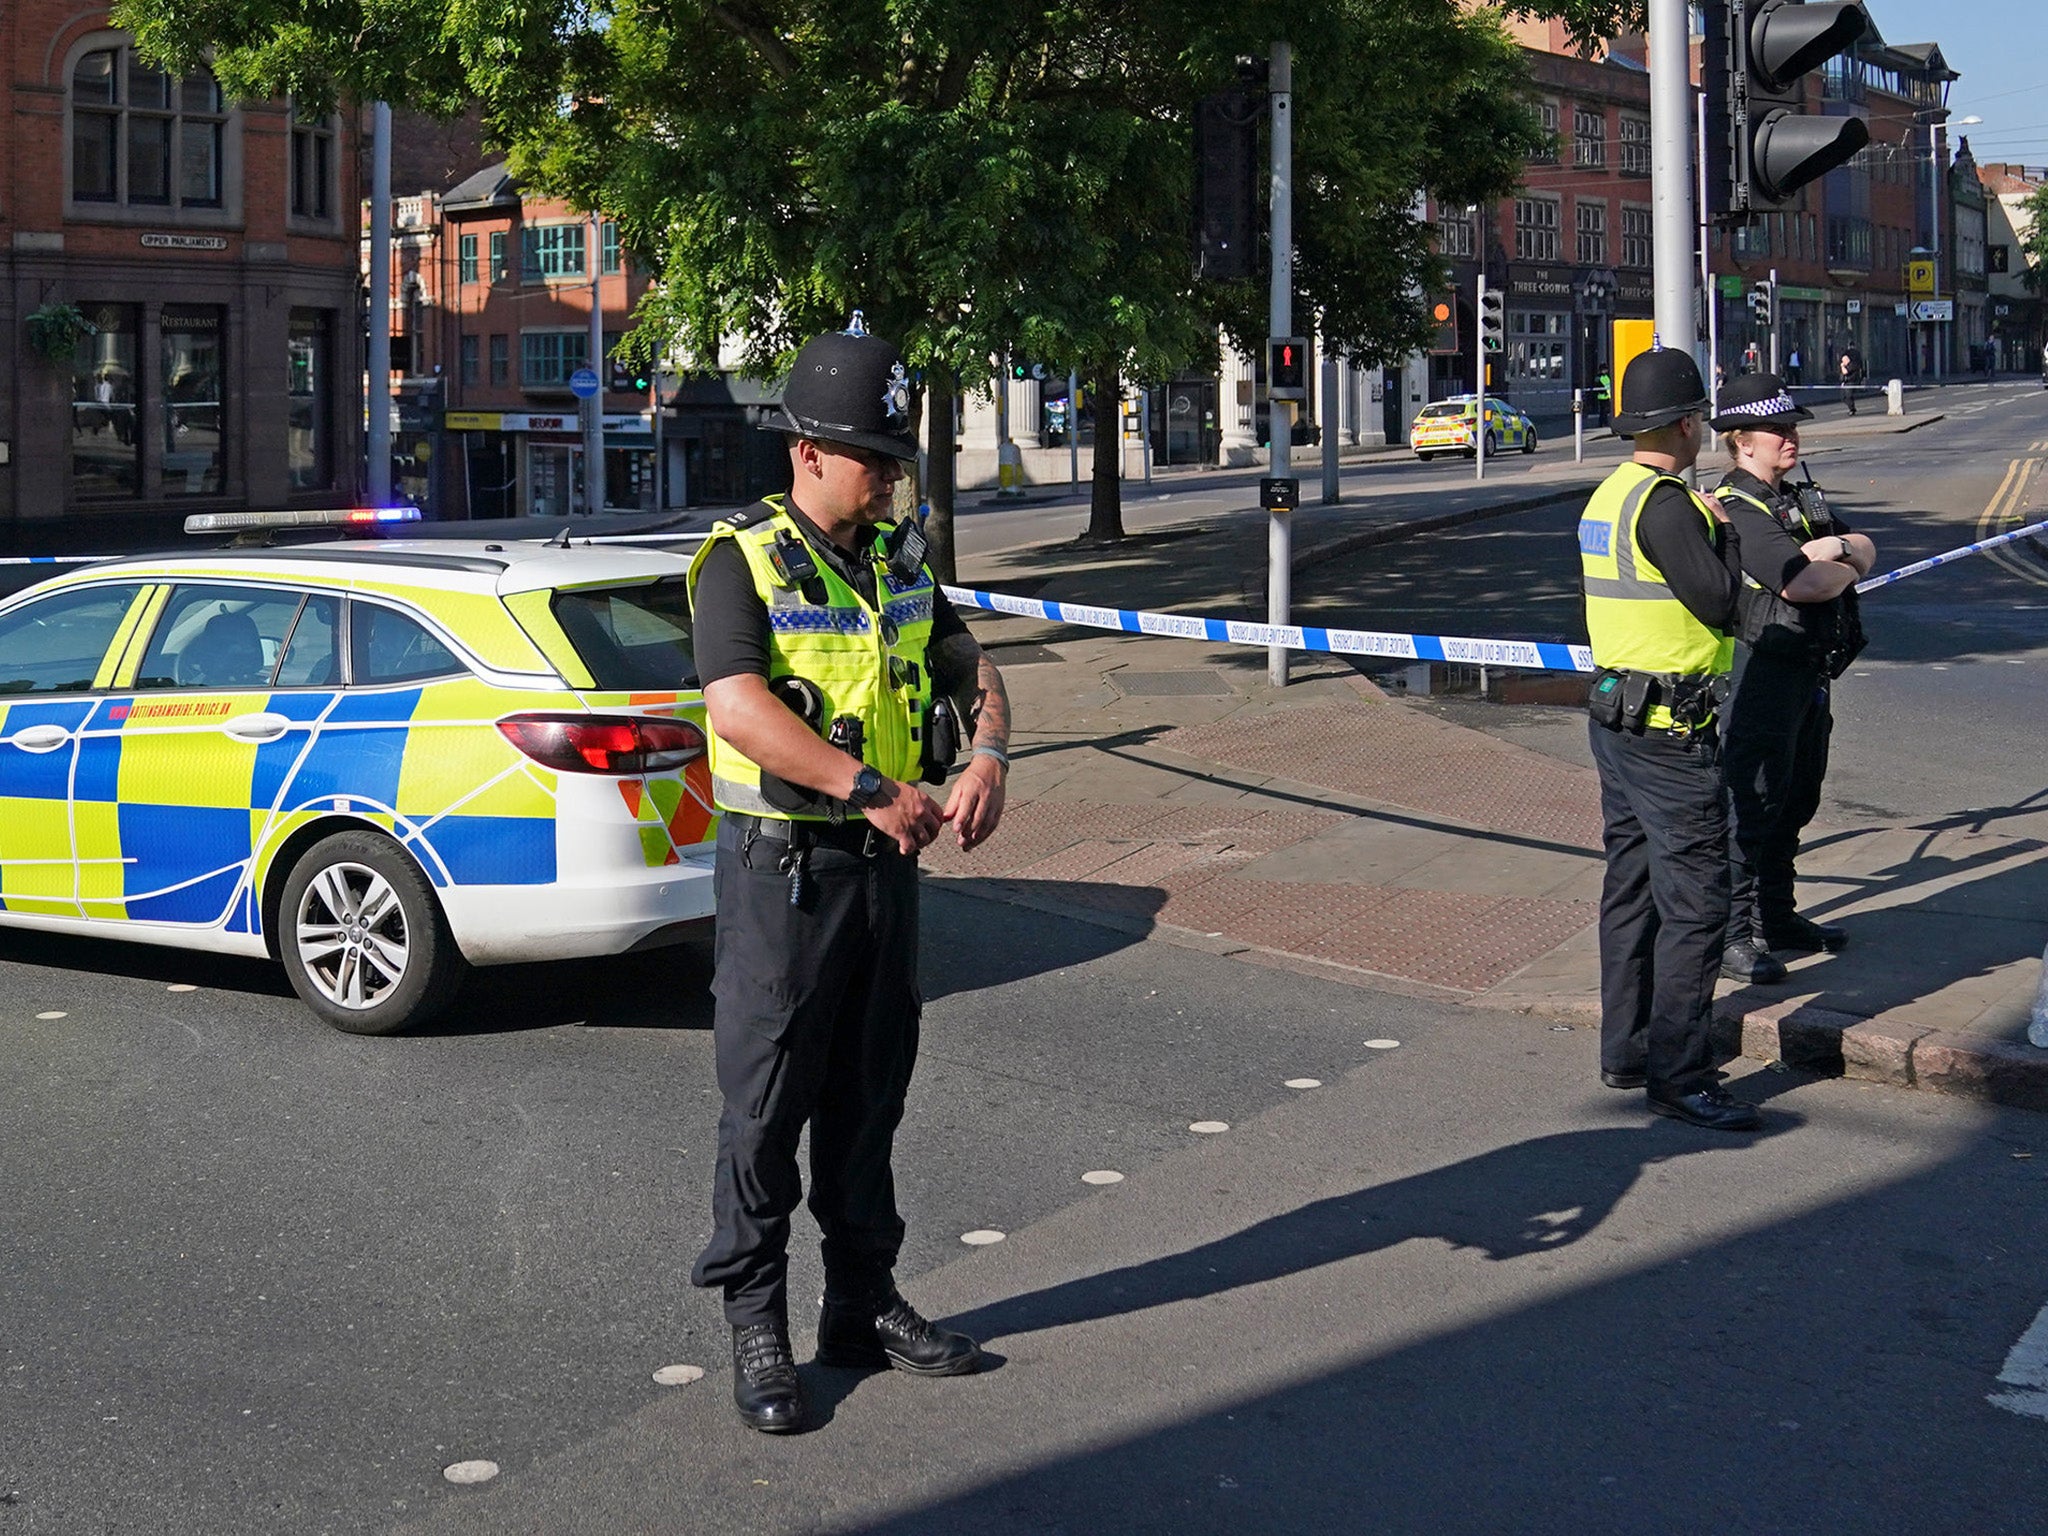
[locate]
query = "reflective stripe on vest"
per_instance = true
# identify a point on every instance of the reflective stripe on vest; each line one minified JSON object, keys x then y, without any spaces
{"x":1633,"y":619}
{"x":848,"y":649}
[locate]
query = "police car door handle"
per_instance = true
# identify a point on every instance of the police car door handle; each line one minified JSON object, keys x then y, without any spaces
{"x":258,"y":727}
{"x":40,"y":738}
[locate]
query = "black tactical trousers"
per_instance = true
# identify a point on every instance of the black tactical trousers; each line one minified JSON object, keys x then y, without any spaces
{"x":815,"y":1020}
{"x":1663,"y":906}
{"x":1774,"y":755}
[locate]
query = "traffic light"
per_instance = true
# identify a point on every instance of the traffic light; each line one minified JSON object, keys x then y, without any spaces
{"x":1287,"y":368}
{"x":1227,"y":183}
{"x":1443,"y":314}
{"x":627,"y":378}
{"x":1774,"y":147}
{"x":1760,"y":302}
{"x":1493,"y":320}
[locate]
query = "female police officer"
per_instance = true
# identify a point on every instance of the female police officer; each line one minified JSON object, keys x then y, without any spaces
{"x":824,"y":645}
{"x":1798,"y":631}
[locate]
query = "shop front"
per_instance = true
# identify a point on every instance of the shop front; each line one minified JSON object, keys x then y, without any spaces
{"x":524,"y":463}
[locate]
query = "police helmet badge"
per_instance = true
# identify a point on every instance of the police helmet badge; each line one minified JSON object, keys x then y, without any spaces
{"x":896,"y":398}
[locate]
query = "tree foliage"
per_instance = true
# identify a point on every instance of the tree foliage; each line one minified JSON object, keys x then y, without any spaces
{"x":2034,"y":241}
{"x":973,"y":174}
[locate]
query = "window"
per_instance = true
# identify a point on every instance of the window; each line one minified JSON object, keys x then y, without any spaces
{"x":309,"y":400}
{"x":1537,"y":344}
{"x":105,"y":445}
{"x":385,"y":646}
{"x":1547,"y":114}
{"x":498,"y":273}
{"x":549,"y":357}
{"x":610,"y":260}
{"x":1635,"y":146}
{"x":631,"y":637}
{"x":1592,"y":229}
{"x":1753,"y":239}
{"x":1589,"y":137}
{"x":1536,"y":229}
{"x":469,"y":359}
{"x":501,"y":360}
{"x":551,"y":250}
{"x":141,"y":138}
{"x":1453,"y":233}
{"x":312,"y":657}
{"x":56,"y":645}
{"x":466,"y":260}
{"x":1637,"y":243}
{"x":313,"y":191}
{"x":191,"y":352}
{"x":218,"y":637}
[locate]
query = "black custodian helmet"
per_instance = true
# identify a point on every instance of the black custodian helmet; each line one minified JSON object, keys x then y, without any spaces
{"x":1660,"y":386}
{"x":850,"y":387}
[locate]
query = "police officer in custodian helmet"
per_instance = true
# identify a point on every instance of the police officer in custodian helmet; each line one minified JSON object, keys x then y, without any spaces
{"x":1661,"y":572}
{"x":1799,"y":631}
{"x":830,"y":663}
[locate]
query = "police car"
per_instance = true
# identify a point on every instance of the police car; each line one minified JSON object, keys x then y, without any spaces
{"x":1446,"y":427}
{"x":378,"y":762}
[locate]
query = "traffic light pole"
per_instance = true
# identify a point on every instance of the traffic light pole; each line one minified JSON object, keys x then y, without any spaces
{"x":593,"y":408}
{"x":1671,"y":163}
{"x":1479,"y":380}
{"x":1280,"y":417}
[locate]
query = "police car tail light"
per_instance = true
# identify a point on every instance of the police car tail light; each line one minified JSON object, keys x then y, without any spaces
{"x":604,"y":743}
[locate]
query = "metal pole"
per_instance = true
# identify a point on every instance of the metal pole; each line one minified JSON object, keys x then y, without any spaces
{"x":1280,"y":322}
{"x":1671,"y":163}
{"x":660,"y":443}
{"x":1934,"y":197}
{"x":1145,"y":424}
{"x":1708,"y":302}
{"x":1774,"y":323}
{"x":377,"y":446}
{"x":1578,"y":426}
{"x":593,"y":408}
{"x":1479,"y":378}
{"x":1326,"y":417}
{"x":1074,"y":430}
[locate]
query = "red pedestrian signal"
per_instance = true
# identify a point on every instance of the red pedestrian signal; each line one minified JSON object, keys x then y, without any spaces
{"x":1287,"y":368}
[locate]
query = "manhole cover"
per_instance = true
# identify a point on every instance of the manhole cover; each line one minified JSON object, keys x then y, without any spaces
{"x":1158,"y":684}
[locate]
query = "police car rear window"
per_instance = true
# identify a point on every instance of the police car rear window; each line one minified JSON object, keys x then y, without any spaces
{"x":635,"y":637}
{"x":1429,"y":412}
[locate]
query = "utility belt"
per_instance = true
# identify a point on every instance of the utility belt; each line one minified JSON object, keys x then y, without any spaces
{"x":851,"y":836}
{"x":1621,"y":700}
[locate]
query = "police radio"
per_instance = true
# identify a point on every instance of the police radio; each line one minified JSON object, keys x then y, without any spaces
{"x":906,"y":547}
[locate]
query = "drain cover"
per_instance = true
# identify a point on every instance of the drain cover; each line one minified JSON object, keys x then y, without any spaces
{"x":1199,"y":681}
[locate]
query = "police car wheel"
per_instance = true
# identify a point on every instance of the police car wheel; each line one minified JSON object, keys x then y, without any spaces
{"x":363,"y":939}
{"x":1529,"y":441}
{"x":1492,"y":444}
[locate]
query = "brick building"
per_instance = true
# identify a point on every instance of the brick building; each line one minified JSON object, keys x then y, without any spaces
{"x":208,"y":247}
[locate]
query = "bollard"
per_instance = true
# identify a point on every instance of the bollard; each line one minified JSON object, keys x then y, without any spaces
{"x":1895,"y":398}
{"x":1578,"y":426}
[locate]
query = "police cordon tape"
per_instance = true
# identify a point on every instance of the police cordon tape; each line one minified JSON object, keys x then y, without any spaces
{"x":1533,"y":655}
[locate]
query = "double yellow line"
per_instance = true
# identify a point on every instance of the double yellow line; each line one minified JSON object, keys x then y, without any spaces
{"x":2003,"y":512}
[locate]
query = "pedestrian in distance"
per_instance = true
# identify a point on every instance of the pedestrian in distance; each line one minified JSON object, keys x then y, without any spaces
{"x":1792,"y":368}
{"x":831,"y":663}
{"x":1846,"y":372}
{"x":1661,"y":570}
{"x":1798,"y":631}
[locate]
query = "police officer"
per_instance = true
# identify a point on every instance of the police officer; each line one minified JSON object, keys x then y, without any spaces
{"x":1661,"y":573}
{"x":829,"y":659}
{"x":1799,"y":631}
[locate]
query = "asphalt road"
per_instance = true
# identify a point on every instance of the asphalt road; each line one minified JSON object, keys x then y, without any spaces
{"x":1942,"y":713}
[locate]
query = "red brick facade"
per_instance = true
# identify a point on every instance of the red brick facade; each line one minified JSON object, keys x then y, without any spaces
{"x":224,"y":364}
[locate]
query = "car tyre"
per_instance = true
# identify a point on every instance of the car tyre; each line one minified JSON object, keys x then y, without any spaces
{"x":1492,"y":444}
{"x":1529,"y":442}
{"x":363,"y":939}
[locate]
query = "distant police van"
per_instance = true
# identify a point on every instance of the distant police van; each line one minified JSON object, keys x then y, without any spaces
{"x":378,"y":762}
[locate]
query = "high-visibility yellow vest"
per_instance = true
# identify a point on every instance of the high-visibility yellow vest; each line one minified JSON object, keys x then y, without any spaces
{"x":1633,"y":619}
{"x":866,"y":661}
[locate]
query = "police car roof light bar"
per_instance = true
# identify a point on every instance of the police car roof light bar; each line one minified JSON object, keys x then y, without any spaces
{"x":310,"y":517}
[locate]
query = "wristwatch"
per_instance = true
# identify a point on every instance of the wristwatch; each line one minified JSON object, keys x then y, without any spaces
{"x":867,"y":788}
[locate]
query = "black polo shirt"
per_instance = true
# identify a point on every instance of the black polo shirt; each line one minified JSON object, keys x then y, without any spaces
{"x":729,"y":621}
{"x":1702,"y":568}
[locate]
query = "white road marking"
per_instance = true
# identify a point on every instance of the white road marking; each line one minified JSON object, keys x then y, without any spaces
{"x":54,"y":1013}
{"x":1102,"y":1176}
{"x":1303,"y":1082}
{"x":181,"y":986}
{"x":1382,"y":1045}
{"x":678,"y":1375}
{"x":981,"y":1237}
{"x":1209,"y":1127}
{"x":471,"y":1471}
{"x":2026,"y":1371}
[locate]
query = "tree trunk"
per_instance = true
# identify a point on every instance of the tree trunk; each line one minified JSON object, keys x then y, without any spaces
{"x":1105,"y":501}
{"x":940,"y":475}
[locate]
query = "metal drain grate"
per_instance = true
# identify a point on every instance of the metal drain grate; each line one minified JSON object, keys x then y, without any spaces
{"x":1198,"y":682}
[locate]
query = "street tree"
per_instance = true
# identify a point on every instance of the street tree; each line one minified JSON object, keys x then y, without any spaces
{"x":972,"y":174}
{"x":2034,"y":239}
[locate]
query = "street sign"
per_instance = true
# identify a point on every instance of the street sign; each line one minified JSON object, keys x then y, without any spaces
{"x":1935,"y":309}
{"x":583,"y":383}
{"x":1920,"y":275}
{"x":1855,"y":306}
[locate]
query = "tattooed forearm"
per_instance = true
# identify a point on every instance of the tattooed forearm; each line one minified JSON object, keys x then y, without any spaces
{"x":992,"y":700}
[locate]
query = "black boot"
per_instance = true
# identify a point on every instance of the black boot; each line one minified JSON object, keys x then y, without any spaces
{"x":765,"y":1387}
{"x":887,"y":1332}
{"x":1747,"y":960}
{"x":1802,"y":933}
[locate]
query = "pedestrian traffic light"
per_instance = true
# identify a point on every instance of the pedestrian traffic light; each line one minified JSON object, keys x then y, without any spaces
{"x":1493,"y":320}
{"x":1760,"y":302}
{"x":1775,"y":147}
{"x":1227,"y":183}
{"x":1287,"y":368}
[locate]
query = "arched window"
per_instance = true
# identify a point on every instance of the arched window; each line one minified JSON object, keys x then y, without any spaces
{"x":141,"y":138}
